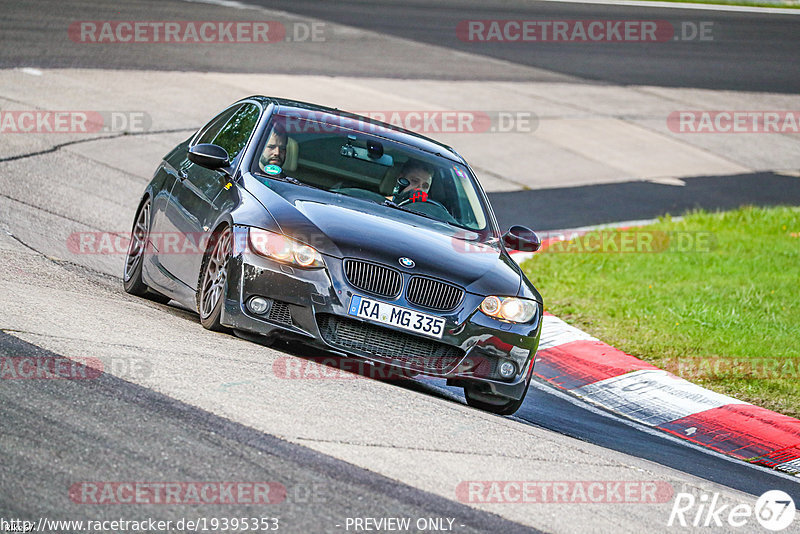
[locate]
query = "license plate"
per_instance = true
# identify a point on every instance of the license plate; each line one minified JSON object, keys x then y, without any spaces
{"x":383,"y":312}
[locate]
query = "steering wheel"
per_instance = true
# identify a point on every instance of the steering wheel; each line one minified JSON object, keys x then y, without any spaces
{"x":439,"y":212}
{"x":410,"y":196}
{"x":428,"y":201}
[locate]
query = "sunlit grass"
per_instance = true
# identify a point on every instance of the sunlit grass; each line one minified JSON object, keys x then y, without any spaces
{"x":722,"y":311}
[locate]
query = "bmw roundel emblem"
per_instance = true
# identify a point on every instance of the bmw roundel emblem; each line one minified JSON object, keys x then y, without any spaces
{"x":407,"y":262}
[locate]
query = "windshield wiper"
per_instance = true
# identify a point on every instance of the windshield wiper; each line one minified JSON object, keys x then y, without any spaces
{"x":295,"y":181}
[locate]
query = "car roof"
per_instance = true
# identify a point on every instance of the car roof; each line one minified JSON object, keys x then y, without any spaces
{"x":387,"y":130}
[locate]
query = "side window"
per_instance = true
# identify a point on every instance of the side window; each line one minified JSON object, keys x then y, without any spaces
{"x":234,"y":135}
{"x":210,"y":130}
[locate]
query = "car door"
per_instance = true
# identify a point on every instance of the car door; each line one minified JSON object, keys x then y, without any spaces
{"x":200,"y":195}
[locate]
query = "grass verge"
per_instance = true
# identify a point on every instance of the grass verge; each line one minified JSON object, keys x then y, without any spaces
{"x":714,"y":298}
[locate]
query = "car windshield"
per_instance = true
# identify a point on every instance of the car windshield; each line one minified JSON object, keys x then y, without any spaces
{"x":323,"y":152}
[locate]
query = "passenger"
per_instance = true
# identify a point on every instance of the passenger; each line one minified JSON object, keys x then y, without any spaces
{"x":275,"y":151}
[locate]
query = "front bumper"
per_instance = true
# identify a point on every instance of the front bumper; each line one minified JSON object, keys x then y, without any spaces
{"x":312,"y":304}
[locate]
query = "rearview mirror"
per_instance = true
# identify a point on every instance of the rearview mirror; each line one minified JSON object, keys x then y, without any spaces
{"x":522,"y":238}
{"x":373,"y":153}
{"x":209,"y":156}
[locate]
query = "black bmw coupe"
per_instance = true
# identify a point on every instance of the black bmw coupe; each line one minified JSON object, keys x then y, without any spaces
{"x":286,"y":219}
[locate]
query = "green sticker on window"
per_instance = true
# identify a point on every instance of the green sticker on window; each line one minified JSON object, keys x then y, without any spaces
{"x":272,"y":169}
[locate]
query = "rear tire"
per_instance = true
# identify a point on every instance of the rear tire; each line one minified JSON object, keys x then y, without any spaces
{"x":212,"y":283}
{"x":132,"y":275}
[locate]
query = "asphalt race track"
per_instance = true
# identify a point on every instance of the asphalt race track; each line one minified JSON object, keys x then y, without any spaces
{"x":182,"y":404}
{"x":754,"y":52}
{"x":739,"y":57}
{"x":635,"y":201}
{"x":170,"y":444}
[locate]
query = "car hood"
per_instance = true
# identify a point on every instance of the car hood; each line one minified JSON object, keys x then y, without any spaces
{"x":344,"y":227}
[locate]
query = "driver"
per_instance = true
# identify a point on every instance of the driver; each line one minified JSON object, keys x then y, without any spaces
{"x":419,"y":176}
{"x":275,"y":151}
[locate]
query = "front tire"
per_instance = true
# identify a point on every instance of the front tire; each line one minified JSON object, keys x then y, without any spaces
{"x":212,"y":284}
{"x":132,"y":275}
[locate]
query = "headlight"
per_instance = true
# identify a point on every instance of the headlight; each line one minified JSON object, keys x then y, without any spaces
{"x":509,"y":308}
{"x":284,"y":249}
{"x":491,"y":306}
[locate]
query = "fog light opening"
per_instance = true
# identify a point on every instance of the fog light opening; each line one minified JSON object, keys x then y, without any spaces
{"x":507,"y":369}
{"x":259,"y":305}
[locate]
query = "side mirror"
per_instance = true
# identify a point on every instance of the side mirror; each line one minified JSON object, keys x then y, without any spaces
{"x":209,"y":156}
{"x":522,"y":238}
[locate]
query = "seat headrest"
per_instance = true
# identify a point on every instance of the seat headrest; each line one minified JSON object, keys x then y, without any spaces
{"x":389,"y":181}
{"x":292,"y":155}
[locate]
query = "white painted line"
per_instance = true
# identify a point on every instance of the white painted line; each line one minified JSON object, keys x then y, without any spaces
{"x":668,"y":180}
{"x":790,"y":467}
{"x":32,"y":72}
{"x":556,"y":332}
{"x":224,"y":3}
{"x":653,"y":397}
{"x":681,"y":5}
{"x":519,"y":257}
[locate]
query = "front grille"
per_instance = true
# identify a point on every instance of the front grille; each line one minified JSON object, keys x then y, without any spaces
{"x":417,"y":353}
{"x":373,"y":278}
{"x":433,"y":294}
{"x":279,"y":313}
